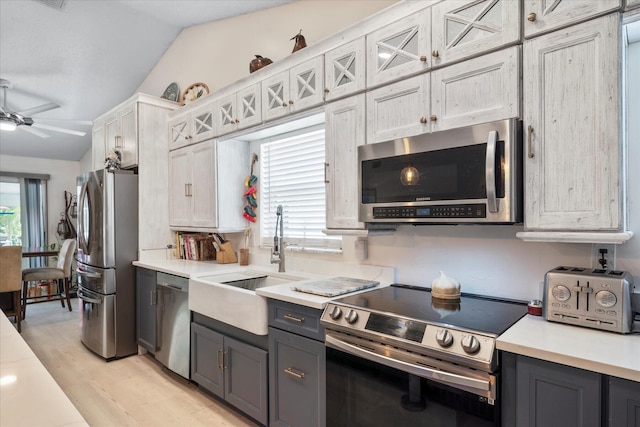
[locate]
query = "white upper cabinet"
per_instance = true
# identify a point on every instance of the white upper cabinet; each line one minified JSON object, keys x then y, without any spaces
{"x":398,"y":110}
{"x":195,"y":126}
{"x":206,"y":186}
{"x":541,"y":16}
{"x":344,"y":132}
{"x":297,"y":89}
{"x":121,"y":133}
{"x":400,"y":49}
{"x":98,"y":154}
{"x":467,"y":28}
{"x":571,"y":126}
{"x":239,"y":110}
{"x":479,"y":90}
{"x":345,"y":70}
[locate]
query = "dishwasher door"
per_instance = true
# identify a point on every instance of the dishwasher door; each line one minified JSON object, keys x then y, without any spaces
{"x":173,"y":336}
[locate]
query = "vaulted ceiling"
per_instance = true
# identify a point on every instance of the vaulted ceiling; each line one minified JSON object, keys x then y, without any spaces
{"x":88,"y":56}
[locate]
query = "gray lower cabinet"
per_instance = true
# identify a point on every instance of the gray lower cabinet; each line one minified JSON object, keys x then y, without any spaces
{"x":624,"y":403}
{"x":146,"y":308}
{"x":537,"y":393}
{"x":297,"y":366}
{"x":230,"y":369}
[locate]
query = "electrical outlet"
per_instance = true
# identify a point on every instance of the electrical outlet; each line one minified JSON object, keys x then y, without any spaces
{"x":610,"y":255}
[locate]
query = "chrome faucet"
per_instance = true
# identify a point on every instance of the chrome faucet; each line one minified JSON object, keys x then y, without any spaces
{"x":277,"y":253}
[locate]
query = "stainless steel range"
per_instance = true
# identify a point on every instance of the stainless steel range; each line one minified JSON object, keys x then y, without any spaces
{"x":397,"y":356}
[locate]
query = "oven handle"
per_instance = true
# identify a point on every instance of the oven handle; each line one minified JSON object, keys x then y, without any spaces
{"x":421,"y":371}
{"x":490,"y":172}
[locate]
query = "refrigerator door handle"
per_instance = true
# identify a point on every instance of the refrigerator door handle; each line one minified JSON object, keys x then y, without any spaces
{"x":82,"y":241}
{"x":87,"y":298}
{"x":88,"y":274}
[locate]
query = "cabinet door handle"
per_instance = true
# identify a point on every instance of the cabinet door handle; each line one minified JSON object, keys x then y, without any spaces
{"x":423,"y":120}
{"x":220,"y":360}
{"x":152,"y":298}
{"x":326,"y":168}
{"x":531,"y":17}
{"x":435,"y":53}
{"x":295,"y":319}
{"x":434,"y":118}
{"x":186,"y":190}
{"x":530,"y":153}
{"x":117,"y":138}
{"x":291,"y":372}
{"x":423,"y":58}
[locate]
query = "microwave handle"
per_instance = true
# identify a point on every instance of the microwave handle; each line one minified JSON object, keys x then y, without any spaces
{"x":490,"y":172}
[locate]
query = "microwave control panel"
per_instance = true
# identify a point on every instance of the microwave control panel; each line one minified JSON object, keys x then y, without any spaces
{"x":477,"y":210}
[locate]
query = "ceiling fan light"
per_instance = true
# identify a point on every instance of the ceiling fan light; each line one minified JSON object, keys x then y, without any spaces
{"x":7,"y":124}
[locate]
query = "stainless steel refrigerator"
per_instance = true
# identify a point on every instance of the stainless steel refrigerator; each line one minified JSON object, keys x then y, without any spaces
{"x":107,"y":246}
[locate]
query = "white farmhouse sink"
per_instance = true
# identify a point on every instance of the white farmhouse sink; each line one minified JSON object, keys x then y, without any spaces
{"x":231,"y":297}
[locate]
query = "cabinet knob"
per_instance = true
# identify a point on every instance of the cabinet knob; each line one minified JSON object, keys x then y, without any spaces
{"x":434,"y":118}
{"x":531,"y":17}
{"x":326,"y":90}
{"x":435,"y":53}
{"x":291,"y":102}
{"x":284,"y":104}
{"x":237,"y":121}
{"x":423,"y":120}
{"x":423,"y":58}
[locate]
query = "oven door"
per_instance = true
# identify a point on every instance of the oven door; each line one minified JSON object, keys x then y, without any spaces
{"x":375,"y":385}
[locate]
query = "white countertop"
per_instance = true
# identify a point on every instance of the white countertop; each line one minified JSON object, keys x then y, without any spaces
{"x":598,"y":351}
{"x":29,"y":396}
{"x":285,"y":293}
{"x":186,"y":268}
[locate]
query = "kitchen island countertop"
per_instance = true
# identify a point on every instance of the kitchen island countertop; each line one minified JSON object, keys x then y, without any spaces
{"x":607,"y":353}
{"x":29,"y":396}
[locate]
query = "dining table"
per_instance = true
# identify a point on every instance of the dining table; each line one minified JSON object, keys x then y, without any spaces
{"x":32,"y":252}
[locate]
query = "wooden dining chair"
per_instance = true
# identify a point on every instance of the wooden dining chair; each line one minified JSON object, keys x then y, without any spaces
{"x":11,"y":279}
{"x":60,"y":274}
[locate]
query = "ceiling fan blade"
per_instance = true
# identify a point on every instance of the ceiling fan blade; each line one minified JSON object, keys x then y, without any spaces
{"x":33,"y":131}
{"x":39,"y":109}
{"x":57,"y":129}
{"x":65,"y":121}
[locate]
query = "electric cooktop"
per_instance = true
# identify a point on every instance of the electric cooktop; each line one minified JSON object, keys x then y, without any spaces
{"x":473,"y":312}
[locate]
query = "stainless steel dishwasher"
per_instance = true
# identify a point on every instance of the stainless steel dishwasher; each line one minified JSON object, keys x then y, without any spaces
{"x":173,"y":323}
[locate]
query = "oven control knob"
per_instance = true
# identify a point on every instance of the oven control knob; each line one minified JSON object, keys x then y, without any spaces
{"x":335,"y":313}
{"x":444,"y":338}
{"x":470,"y":344}
{"x":351,"y":317}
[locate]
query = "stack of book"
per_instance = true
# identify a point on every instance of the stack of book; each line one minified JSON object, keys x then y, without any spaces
{"x":196,"y":246}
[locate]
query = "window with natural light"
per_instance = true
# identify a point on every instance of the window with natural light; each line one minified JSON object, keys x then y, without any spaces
{"x":292,"y":175}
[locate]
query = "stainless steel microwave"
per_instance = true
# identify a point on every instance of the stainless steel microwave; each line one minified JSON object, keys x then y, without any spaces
{"x":466,"y":175}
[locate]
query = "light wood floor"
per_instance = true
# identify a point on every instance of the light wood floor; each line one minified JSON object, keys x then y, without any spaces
{"x":134,"y":391}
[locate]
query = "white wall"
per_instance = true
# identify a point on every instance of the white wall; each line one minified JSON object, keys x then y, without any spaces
{"x":63,"y":178}
{"x":485,"y":259}
{"x":218,"y":53}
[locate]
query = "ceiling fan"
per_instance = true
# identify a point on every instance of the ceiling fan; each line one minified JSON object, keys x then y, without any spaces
{"x":11,"y":120}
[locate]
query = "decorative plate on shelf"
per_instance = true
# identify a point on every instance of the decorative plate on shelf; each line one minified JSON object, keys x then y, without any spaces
{"x":172,"y":93}
{"x":195,"y":91}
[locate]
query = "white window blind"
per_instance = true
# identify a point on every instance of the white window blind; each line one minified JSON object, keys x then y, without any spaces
{"x":292,"y":175}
